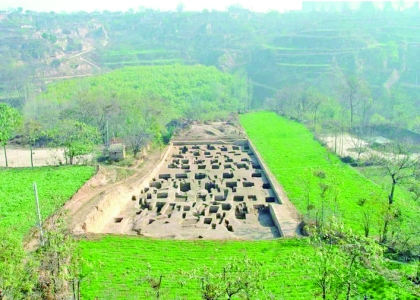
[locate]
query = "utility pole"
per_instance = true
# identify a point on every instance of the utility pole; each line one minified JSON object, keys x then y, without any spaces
{"x":41,"y":233}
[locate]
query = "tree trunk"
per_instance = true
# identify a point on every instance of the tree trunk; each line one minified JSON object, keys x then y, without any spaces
{"x":71,"y":159}
{"x":384,"y":232}
{"x":5,"y":156}
{"x":32,"y":156}
{"x":391,"y":195}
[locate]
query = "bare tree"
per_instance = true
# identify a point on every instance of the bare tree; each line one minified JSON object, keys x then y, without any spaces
{"x":399,"y":163}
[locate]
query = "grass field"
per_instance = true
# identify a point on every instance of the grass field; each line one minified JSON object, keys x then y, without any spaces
{"x":55,"y":186}
{"x":299,"y":163}
{"x":120,"y":264}
{"x":115,"y":268}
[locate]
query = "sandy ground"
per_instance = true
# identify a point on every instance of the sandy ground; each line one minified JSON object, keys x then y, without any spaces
{"x":21,"y":157}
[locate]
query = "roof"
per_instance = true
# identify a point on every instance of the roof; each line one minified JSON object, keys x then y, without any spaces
{"x":116,"y":148}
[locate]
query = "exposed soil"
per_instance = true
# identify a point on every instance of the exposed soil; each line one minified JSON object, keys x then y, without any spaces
{"x":21,"y":157}
{"x":109,"y":201}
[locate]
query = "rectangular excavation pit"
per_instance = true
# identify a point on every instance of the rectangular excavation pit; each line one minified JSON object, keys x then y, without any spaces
{"x":256,"y":167}
{"x":180,"y":198}
{"x":172,"y":166}
{"x":256,"y":175}
{"x":155,"y":184}
{"x":175,"y":161}
{"x":207,"y":221}
{"x":242,"y":166}
{"x":185,"y":187}
{"x":244,"y":159}
{"x":270,"y":199}
{"x":201,"y":167}
{"x":184,"y":149}
{"x":187,"y":208}
{"x":228,"y":166}
{"x":231,"y":184}
{"x":185,"y":161}
{"x":162,"y":195}
{"x":229,"y":160}
{"x":181,"y":176}
{"x":210,"y":147}
{"x":200,"y":176}
{"x":209,"y":186}
{"x":252,"y":197}
{"x":228,"y":175}
{"x":196,"y":153}
{"x":185,"y":167}
{"x":236,"y":148}
{"x":214,"y":161}
{"x":177,"y":156}
{"x":247,"y":184}
{"x":266,"y":186}
{"x":219,"y":198}
{"x":118,"y":220}
{"x":164,"y":176}
{"x":214,"y":209}
{"x":215,"y":167}
{"x":238,"y":198}
{"x":207,"y":153}
{"x":224,"y":148}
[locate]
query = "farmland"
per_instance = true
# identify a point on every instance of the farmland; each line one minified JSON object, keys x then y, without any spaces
{"x":295,"y":157}
{"x":115,"y":267}
{"x":55,"y":186}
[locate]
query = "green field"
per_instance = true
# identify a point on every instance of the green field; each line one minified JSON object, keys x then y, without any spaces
{"x":298,"y":162}
{"x":55,"y":186}
{"x":115,"y":268}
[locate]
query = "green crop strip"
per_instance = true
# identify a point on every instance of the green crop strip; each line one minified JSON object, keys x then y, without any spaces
{"x":55,"y":186}
{"x":299,"y":162}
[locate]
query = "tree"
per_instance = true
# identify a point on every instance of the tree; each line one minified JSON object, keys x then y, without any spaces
{"x":17,"y":270}
{"x":353,"y":93}
{"x":399,"y":163}
{"x":343,"y":259}
{"x":10,"y":119}
{"x":32,"y":131}
{"x":242,"y":277}
{"x":76,"y":137}
{"x":60,"y":262}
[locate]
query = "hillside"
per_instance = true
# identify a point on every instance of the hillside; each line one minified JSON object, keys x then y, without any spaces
{"x":274,"y":50}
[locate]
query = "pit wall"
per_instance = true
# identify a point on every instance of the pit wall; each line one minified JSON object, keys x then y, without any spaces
{"x":241,"y":142}
{"x":276,"y":187}
{"x":108,"y":207}
{"x":271,"y":179}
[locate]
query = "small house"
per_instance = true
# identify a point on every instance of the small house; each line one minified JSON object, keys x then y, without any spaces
{"x":116,"y":152}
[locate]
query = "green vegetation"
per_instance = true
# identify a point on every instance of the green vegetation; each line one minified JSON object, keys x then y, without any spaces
{"x":316,"y":181}
{"x":116,"y":268}
{"x":139,"y":105}
{"x":55,"y":186}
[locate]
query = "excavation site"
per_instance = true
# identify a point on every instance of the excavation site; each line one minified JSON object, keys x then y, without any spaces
{"x":210,"y":183}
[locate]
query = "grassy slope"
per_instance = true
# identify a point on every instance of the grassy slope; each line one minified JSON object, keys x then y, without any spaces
{"x":55,"y":186}
{"x":294,"y":157}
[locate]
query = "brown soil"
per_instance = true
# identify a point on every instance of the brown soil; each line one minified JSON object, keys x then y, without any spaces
{"x":106,"y":180}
